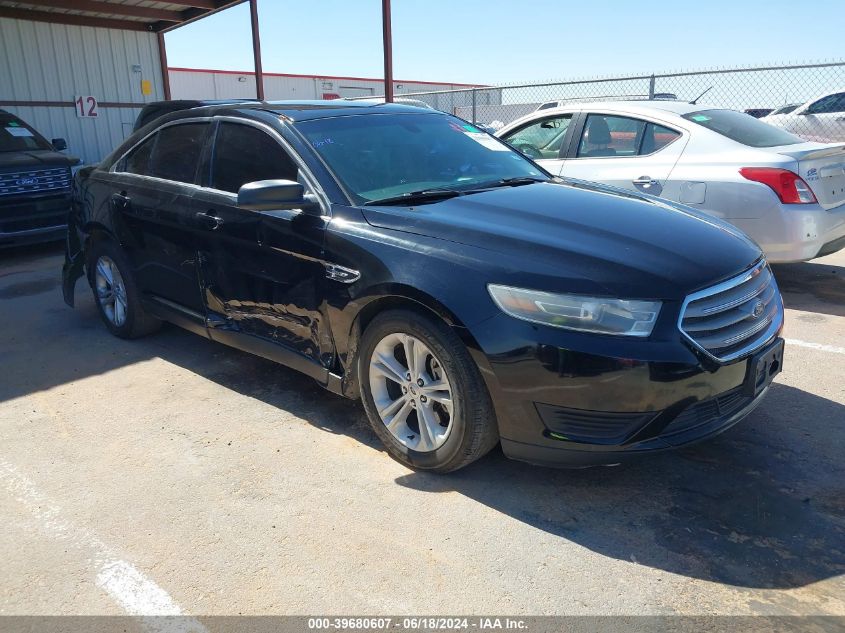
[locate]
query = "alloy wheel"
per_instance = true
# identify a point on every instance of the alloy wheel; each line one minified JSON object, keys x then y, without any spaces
{"x":411,"y":392}
{"x":111,"y":291}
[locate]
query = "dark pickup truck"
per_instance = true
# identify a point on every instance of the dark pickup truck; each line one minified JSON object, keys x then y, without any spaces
{"x":35,"y":179}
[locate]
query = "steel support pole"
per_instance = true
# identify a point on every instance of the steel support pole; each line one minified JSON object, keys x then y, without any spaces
{"x":162,"y":58}
{"x":388,"y":51}
{"x":256,"y":50}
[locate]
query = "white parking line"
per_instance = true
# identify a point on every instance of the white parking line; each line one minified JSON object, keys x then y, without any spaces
{"x":137,"y":594}
{"x":818,"y":346}
{"x":128,"y":587}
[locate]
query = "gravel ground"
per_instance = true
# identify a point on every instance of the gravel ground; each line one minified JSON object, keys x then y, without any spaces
{"x":174,"y":475}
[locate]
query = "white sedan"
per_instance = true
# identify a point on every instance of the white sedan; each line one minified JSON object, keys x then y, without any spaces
{"x":786,"y":193}
{"x":820,"y":119}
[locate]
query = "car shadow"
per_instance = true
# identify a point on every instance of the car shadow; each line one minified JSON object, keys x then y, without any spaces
{"x":43,"y":343}
{"x":812,"y":287}
{"x":761,"y":506}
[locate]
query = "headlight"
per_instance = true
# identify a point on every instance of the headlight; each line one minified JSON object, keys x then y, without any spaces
{"x":599,"y":315}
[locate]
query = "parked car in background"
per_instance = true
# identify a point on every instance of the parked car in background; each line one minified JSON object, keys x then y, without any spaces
{"x":758,"y":113}
{"x":35,"y":182}
{"x":786,"y":193}
{"x":658,"y":96}
{"x":820,"y":119}
{"x":402,"y":256}
{"x":785,"y":109}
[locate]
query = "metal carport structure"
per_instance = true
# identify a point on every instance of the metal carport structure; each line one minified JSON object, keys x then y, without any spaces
{"x":61,"y":61}
{"x":82,"y":69}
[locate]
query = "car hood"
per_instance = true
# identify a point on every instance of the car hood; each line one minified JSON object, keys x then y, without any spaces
{"x":623,"y":244}
{"x":35,"y":159}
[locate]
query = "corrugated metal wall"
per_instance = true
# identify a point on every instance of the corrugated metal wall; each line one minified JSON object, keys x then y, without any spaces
{"x":56,"y":63}
{"x":209,"y":84}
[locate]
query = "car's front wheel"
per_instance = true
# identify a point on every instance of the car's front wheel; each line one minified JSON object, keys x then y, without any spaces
{"x":115,"y":292}
{"x":423,"y":394}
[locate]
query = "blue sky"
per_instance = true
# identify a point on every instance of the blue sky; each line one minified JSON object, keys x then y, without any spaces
{"x":493,"y":41}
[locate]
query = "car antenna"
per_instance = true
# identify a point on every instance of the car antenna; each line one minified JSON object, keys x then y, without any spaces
{"x":694,"y":101}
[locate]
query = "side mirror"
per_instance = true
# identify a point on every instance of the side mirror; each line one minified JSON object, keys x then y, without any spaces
{"x":59,"y":144}
{"x":276,"y":195}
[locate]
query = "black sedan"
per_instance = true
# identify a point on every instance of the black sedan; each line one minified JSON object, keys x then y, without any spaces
{"x":408,"y":258}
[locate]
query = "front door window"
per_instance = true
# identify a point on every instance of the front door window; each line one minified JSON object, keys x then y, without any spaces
{"x":542,"y":139}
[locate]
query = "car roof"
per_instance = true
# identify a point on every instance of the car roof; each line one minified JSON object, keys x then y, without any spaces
{"x":657,"y":109}
{"x":298,"y":110}
{"x":305,"y":110}
{"x":401,"y":100}
{"x":676,"y":107}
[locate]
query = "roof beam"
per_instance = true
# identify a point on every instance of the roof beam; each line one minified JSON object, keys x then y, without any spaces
{"x":192,"y":15}
{"x":154,"y":20}
{"x":108,"y":7}
{"x":197,"y":4}
{"x":68,"y":18}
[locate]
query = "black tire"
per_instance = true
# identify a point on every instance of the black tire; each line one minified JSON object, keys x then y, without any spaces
{"x":137,"y":321}
{"x":472,"y":429}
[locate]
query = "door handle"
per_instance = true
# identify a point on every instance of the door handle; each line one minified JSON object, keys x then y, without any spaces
{"x":120,"y":199}
{"x":645,"y":181}
{"x":209,"y":221}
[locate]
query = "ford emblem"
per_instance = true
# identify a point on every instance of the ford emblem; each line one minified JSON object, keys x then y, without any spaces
{"x":26,"y":181}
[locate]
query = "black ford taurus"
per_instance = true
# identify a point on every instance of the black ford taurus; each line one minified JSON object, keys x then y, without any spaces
{"x":405,"y":257}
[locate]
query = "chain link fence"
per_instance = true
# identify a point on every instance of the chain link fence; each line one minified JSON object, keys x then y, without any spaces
{"x":806,"y":99}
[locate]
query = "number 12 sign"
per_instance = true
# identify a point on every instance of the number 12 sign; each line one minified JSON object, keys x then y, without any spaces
{"x":86,"y":107}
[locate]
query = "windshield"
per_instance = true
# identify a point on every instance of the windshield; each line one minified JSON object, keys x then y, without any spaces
{"x":17,"y":136}
{"x":378,"y":156}
{"x":787,"y":108}
{"x":742,"y":128}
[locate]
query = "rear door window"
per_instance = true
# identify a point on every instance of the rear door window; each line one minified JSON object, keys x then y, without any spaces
{"x":138,"y":161}
{"x":177,"y":151}
{"x":609,"y":135}
{"x":656,"y":137}
{"x":742,"y":128}
{"x":243,"y":153}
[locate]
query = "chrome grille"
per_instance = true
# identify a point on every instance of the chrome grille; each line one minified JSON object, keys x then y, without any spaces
{"x":736,"y":317}
{"x":34,"y":180}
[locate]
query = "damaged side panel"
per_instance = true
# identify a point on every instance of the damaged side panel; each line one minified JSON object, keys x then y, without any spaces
{"x":256,"y":282}
{"x":261,"y":276}
{"x":74,"y":266}
{"x":79,"y":226}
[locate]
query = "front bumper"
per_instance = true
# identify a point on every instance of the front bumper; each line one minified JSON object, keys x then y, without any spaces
{"x":698,"y":422}
{"x":576,"y":400}
{"x":33,"y":218}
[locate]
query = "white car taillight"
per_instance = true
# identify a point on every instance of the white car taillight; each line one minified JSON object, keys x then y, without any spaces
{"x":788,"y":186}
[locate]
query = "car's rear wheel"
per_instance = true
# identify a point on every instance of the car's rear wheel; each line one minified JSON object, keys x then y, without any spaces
{"x":115,"y":292}
{"x":423,"y":394}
